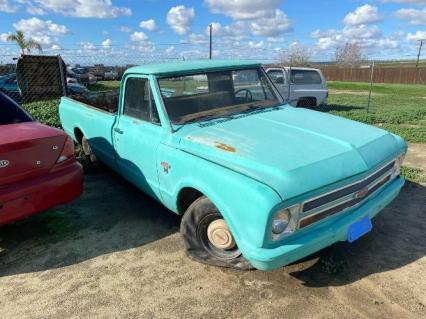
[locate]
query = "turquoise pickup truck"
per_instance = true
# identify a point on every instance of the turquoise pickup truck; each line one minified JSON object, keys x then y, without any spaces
{"x":259,"y":183}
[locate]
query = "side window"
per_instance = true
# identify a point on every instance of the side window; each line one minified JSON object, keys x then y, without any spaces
{"x":305,"y":77}
{"x":277,"y":76}
{"x":139,"y":101}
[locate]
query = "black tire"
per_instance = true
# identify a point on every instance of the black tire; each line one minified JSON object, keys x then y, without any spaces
{"x":193,"y":229}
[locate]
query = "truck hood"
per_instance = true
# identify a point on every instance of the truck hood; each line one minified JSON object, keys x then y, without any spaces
{"x":292,"y":150}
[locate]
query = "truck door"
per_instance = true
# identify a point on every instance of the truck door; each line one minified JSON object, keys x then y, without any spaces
{"x":137,"y":135}
{"x":279,"y":77}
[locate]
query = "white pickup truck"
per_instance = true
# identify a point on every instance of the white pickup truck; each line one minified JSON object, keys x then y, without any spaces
{"x":307,"y":86}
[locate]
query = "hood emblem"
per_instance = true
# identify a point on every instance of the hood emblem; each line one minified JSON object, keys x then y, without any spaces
{"x":4,"y":163}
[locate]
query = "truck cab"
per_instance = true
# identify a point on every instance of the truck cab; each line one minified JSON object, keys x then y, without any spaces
{"x":302,"y":87}
{"x":259,"y":183}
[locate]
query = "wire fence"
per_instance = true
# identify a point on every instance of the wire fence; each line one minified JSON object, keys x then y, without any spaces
{"x":31,"y":78}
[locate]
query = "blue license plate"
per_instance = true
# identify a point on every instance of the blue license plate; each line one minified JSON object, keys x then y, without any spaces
{"x":359,"y":228}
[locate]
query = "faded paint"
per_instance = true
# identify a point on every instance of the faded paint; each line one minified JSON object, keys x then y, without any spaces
{"x":206,"y":141}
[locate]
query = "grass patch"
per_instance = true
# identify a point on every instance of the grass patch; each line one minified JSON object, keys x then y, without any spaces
{"x":104,"y":86}
{"x":45,"y":112}
{"x":396,"y":107}
{"x":415,"y":175}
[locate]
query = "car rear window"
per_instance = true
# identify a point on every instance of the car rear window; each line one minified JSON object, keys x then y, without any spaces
{"x":10,"y":112}
{"x":305,"y":77}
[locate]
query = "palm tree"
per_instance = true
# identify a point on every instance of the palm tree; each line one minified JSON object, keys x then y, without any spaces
{"x":24,"y":44}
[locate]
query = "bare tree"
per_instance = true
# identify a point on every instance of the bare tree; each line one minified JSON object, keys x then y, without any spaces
{"x":349,"y":55}
{"x":24,"y":44}
{"x":297,"y":55}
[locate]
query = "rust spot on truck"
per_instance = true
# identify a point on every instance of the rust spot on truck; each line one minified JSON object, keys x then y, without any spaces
{"x":225,"y":147}
{"x":210,"y":142}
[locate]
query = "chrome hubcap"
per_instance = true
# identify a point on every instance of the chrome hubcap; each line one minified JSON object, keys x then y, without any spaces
{"x":220,"y":235}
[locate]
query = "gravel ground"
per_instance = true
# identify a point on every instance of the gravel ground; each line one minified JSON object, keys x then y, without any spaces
{"x":115,"y":253}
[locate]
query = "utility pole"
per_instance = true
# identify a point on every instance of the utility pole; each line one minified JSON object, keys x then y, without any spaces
{"x":211,"y":35}
{"x":420,"y":51}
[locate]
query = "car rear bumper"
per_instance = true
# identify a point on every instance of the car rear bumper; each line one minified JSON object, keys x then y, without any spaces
{"x":325,"y":234}
{"x":29,"y":197}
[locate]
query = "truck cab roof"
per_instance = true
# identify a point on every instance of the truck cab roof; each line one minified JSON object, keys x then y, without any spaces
{"x":185,"y":67}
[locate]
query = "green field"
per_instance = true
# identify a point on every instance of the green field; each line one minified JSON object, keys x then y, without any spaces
{"x":398,"y":108}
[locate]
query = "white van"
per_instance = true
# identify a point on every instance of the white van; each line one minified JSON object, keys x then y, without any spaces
{"x":307,"y":86}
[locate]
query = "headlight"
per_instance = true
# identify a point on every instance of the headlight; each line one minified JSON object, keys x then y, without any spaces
{"x":284,"y":222}
{"x":397,"y":166}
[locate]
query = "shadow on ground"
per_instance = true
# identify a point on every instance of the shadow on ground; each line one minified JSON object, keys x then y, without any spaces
{"x":338,"y":108}
{"x":111,"y":216}
{"x":397,"y":240}
{"x":114,"y":216}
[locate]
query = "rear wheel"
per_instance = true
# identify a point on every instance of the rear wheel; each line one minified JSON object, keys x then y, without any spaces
{"x":207,"y":238}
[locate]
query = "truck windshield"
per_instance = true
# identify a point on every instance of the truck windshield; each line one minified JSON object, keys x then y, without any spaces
{"x":215,"y":94}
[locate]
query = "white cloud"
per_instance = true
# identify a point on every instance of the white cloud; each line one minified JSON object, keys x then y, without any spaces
{"x":149,"y":25}
{"x":88,"y":46}
{"x":197,"y":38}
{"x":138,"y":37}
{"x":414,"y":16}
{"x":419,"y":35}
{"x":106,"y":43}
{"x":361,"y":32}
{"x":362,"y":15}
{"x":7,"y":7}
{"x":180,"y":19}
{"x":244,"y":9}
{"x":170,"y":50}
{"x":43,"y":31}
{"x":235,"y":31}
{"x":82,"y":8}
{"x":125,"y":29}
{"x":255,"y":45}
{"x":56,"y":47}
{"x":272,"y":26}
{"x":3,"y":37}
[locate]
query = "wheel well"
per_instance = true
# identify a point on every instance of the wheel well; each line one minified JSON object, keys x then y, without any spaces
{"x":186,"y":197}
{"x":78,"y":135}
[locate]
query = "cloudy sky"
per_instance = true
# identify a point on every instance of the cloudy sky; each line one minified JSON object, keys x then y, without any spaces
{"x":155,"y":29}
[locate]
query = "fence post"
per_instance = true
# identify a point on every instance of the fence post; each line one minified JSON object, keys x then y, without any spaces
{"x":371,"y":86}
{"x":63,"y":76}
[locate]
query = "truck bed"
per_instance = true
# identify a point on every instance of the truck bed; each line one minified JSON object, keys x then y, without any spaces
{"x":104,"y":100}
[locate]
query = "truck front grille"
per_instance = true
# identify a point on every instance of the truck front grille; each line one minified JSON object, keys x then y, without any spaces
{"x":336,"y":201}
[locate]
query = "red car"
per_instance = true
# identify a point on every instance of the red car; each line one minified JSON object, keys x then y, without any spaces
{"x":38,"y":168}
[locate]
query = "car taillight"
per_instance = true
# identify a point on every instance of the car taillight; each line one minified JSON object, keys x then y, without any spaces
{"x":67,"y":150}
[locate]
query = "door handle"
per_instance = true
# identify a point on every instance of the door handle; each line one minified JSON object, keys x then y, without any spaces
{"x":117,"y":130}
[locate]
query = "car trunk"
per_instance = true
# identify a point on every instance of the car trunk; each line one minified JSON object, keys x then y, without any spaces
{"x":28,"y":150}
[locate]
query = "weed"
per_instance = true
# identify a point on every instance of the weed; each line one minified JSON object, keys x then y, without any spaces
{"x":412,"y":174}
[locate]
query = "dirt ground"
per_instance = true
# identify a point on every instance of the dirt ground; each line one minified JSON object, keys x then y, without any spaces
{"x":115,"y":253}
{"x":416,"y":156}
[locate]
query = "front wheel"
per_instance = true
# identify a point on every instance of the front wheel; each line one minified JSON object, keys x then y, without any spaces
{"x":207,"y":238}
